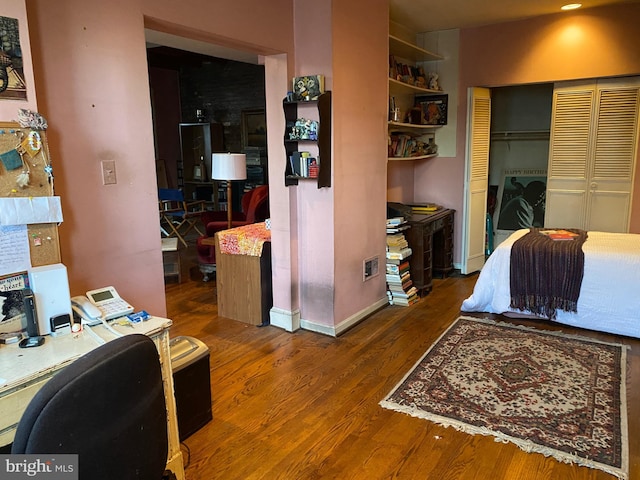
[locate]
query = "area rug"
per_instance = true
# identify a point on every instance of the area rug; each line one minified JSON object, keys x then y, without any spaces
{"x":547,"y":392}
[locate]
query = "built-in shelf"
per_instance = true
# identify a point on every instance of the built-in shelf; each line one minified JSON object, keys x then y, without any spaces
{"x":410,"y":126}
{"x":397,"y":87}
{"x":404,"y":49}
{"x":419,"y":157}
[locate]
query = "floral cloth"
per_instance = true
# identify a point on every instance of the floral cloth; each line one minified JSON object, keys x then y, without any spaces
{"x":245,"y":240}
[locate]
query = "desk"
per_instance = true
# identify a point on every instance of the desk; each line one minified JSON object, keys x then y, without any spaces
{"x":24,"y":371}
{"x":431,"y":241}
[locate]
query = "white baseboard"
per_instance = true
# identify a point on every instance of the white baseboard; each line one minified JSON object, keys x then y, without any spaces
{"x":335,"y":330}
{"x":289,"y":321}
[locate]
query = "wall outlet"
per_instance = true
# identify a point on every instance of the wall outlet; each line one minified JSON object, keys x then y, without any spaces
{"x":109,"y":172}
{"x":370,"y":268}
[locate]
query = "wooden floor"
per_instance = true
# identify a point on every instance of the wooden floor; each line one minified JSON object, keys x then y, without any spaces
{"x":304,"y":406}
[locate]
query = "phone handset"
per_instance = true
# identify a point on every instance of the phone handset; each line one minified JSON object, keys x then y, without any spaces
{"x":86,"y":310}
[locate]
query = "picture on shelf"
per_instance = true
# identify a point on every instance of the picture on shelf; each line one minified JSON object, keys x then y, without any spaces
{"x":434,"y":109}
{"x":307,"y":88}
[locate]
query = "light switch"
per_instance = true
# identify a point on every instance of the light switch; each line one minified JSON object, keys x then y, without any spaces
{"x":109,"y":172}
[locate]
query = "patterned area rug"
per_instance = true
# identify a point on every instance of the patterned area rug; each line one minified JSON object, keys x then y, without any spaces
{"x":547,"y":392}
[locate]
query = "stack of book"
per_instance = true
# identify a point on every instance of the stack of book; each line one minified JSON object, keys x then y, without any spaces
{"x":425,"y":208}
{"x":400,"y":289}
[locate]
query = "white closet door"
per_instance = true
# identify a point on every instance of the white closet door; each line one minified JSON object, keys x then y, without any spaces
{"x":569,"y":149}
{"x":592,"y":154}
{"x":476,"y":179}
{"x":613,"y":166}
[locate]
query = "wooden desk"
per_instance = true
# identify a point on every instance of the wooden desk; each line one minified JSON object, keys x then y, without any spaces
{"x":24,"y":371}
{"x":431,"y":241}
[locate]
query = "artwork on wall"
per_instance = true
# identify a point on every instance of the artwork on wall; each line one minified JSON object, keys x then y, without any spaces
{"x":17,"y":86}
{"x":12,"y":80}
{"x":521,"y":199}
{"x":254,"y":128}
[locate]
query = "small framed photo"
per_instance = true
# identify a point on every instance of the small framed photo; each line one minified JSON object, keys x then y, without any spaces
{"x":308,"y":88}
{"x":434,"y":109}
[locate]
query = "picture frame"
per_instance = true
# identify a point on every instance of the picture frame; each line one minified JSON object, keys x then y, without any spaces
{"x":521,"y":199}
{"x":254,"y":128}
{"x":308,"y":88}
{"x":434,"y":109}
{"x":16,"y":61}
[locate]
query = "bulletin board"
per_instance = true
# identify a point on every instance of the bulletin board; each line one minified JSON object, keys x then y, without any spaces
{"x":24,"y":155}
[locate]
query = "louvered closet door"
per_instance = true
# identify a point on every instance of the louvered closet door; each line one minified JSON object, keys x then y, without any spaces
{"x":476,"y":179}
{"x":612,"y":169}
{"x":592,"y":155}
{"x":569,"y":150}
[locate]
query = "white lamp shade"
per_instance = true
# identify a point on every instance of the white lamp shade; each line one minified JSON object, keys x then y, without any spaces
{"x":228,"y":166}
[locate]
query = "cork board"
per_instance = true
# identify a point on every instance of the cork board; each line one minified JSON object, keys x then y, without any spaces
{"x":16,"y":144}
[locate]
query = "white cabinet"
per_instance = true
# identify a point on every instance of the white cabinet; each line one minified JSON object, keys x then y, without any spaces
{"x":409,"y":140}
{"x":592,"y":154}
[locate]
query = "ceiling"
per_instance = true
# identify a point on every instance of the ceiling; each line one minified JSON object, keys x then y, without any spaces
{"x":417,"y":15}
{"x":433,"y":15}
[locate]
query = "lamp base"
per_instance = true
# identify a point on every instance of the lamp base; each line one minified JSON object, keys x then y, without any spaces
{"x":229,"y":208}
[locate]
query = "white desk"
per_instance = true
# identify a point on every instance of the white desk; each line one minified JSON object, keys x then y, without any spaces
{"x":23,"y":371}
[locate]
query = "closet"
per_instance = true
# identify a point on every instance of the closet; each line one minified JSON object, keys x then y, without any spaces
{"x":590,"y":165}
{"x":592,"y":154}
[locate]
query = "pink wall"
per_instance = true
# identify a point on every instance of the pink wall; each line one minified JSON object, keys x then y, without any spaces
{"x":360,"y":67}
{"x":339,"y":227}
{"x":92,"y":84}
{"x":592,"y":43}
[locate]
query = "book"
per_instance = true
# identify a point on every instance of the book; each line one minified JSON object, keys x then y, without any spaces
{"x":404,"y":253}
{"x":398,"y":269}
{"x":559,"y":234}
{"x":395,"y":221}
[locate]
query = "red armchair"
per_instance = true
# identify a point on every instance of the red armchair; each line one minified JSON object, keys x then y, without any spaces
{"x":255,"y":208}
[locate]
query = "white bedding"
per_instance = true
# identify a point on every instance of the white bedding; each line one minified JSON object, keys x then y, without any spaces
{"x":610,"y":295}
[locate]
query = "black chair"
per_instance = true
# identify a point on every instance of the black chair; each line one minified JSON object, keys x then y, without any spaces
{"x":108,"y":407}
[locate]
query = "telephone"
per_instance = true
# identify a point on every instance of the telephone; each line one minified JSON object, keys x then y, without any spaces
{"x":100,"y":304}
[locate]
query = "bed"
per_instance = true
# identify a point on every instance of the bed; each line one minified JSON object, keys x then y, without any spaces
{"x":609,"y":299}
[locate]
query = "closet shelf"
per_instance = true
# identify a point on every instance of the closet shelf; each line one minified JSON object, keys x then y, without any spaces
{"x":510,"y":135}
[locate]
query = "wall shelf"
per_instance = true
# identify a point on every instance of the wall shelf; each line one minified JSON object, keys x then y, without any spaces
{"x":292,"y":111}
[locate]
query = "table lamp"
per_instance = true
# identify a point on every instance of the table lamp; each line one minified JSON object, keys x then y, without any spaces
{"x":228,"y":166}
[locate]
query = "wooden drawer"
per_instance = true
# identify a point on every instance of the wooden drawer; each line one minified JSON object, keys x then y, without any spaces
{"x":13,"y":406}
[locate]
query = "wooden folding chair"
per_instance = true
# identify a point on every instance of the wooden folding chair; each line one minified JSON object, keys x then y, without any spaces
{"x":177,"y":216}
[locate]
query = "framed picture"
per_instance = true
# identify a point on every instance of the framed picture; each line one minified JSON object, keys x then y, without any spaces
{"x":308,"y":88}
{"x":434,"y":109}
{"x":254,"y":128}
{"x":17,"y":89}
{"x":521,"y":199}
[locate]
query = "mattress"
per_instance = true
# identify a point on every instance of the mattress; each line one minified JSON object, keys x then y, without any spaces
{"x":609,"y":298}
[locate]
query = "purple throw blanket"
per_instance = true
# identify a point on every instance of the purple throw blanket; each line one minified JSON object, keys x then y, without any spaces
{"x":546,"y":274}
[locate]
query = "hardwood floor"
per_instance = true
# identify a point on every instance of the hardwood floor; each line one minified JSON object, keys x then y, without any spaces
{"x":305,"y":406}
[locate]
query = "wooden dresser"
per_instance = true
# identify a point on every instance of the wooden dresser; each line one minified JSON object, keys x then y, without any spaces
{"x":431,"y":240}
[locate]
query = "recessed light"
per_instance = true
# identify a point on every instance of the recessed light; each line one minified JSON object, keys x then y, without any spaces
{"x":571,"y":6}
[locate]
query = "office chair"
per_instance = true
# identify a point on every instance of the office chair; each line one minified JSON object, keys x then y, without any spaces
{"x":108,"y":407}
{"x":179,"y":215}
